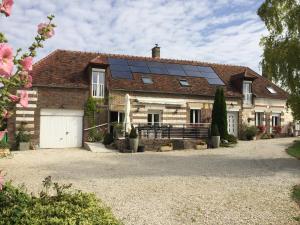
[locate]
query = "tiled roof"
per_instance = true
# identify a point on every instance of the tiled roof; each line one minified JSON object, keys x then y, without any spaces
{"x":69,"y":69}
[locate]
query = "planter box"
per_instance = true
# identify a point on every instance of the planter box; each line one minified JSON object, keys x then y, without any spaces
{"x":200,"y":147}
{"x":4,"y":152}
{"x":215,"y":140}
{"x":134,"y":144}
{"x":166,"y":148}
{"x":24,"y":146}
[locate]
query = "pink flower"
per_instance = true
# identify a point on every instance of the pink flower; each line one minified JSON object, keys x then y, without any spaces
{"x":14,"y":98}
{"x":24,"y":98}
{"x":29,"y":82}
{"x":46,"y":30}
{"x":2,"y":133}
{"x":1,"y":182}
{"x":27,"y":63}
{"x":6,"y":6}
{"x":6,"y":60}
{"x":5,"y":114}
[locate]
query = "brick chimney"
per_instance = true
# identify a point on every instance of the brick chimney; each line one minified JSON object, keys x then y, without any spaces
{"x":156,"y":52}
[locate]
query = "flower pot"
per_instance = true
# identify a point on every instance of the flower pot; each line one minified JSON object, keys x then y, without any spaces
{"x":24,"y":146}
{"x":200,"y":147}
{"x":166,"y":148}
{"x":4,"y":152}
{"x":134,"y":144}
{"x":215,"y":140}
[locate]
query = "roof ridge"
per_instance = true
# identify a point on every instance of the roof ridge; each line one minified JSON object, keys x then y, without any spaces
{"x":46,"y":57}
{"x":148,"y":57}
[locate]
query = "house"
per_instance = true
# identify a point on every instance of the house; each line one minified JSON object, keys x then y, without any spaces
{"x":162,"y":91}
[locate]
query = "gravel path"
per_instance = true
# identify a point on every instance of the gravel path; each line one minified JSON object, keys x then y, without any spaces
{"x":248,"y":184}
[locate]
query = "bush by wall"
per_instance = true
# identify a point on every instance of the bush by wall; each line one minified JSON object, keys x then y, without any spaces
{"x":59,"y":207}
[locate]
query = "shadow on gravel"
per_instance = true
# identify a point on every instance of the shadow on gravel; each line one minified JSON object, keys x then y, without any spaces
{"x":145,"y":165}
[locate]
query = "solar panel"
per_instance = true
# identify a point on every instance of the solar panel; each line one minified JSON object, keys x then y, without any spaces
{"x":137,"y":63}
{"x":205,"y":69}
{"x":215,"y":81}
{"x":113,"y":61}
{"x":170,"y":66}
{"x":176,"y":72}
{"x":189,"y":68}
{"x":122,"y":74}
{"x":193,"y":73}
{"x":209,"y":75}
{"x":116,"y":67}
{"x":158,"y":70}
{"x":122,"y":68}
{"x":139,"y":69}
{"x":155,"y":64}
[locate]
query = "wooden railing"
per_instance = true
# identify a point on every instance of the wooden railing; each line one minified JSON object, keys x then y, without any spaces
{"x":173,"y":131}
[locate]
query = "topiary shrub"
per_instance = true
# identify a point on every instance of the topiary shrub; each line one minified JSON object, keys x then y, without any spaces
{"x":108,"y":139}
{"x":248,"y":132}
{"x":231,"y":139}
{"x":133,"y":133}
{"x":55,"y":205}
{"x":215,"y":130}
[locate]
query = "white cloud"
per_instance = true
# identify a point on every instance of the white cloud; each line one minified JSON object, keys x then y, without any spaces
{"x":218,"y":31}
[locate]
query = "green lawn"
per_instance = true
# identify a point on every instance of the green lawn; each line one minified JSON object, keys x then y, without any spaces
{"x":294,"y":150}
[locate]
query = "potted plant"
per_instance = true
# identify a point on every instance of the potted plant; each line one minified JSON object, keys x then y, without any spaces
{"x":4,"y":149}
{"x":215,"y":136}
{"x":118,"y":130}
{"x":166,"y":147}
{"x":201,"y":145}
{"x":133,"y":140}
{"x":23,"y":139}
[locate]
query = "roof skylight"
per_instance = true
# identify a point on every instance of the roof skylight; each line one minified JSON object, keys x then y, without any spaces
{"x":184,"y":83}
{"x":271,"y":90}
{"x":147,"y":80}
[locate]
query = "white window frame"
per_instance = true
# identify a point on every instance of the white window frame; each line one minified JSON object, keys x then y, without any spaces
{"x":247,"y":92}
{"x":193,"y":118}
{"x":119,"y":117}
{"x":152,"y":118}
{"x":259,"y":118}
{"x":99,"y":91}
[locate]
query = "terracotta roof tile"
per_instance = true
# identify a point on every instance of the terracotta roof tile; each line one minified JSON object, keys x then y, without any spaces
{"x":69,"y":69}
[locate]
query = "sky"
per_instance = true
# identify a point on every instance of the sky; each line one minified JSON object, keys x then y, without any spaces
{"x":220,"y":31}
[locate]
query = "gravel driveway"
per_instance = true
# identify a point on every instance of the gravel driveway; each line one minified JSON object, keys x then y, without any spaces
{"x":248,"y":184}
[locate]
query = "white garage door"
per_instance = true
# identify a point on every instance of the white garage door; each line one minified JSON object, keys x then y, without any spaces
{"x":61,"y":128}
{"x":232,"y":122}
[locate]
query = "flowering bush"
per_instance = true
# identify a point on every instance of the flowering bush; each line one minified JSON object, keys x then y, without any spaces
{"x":15,"y":68}
{"x":277,"y":129}
{"x":261,"y":129}
{"x":55,"y":204}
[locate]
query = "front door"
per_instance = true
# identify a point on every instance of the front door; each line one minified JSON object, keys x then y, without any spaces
{"x":232,"y":121}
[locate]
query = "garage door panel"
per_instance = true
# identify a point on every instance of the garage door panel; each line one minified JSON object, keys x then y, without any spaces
{"x":60,"y":130}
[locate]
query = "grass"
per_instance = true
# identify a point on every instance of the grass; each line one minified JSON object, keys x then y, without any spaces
{"x":294,"y":150}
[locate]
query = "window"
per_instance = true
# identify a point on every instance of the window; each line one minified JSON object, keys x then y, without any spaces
{"x":147,"y":80}
{"x":276,"y":120}
{"x":195,"y":116}
{"x":153,"y":119}
{"x":247,"y":91}
{"x":184,"y":83}
{"x":271,"y":90}
{"x":117,"y":117}
{"x":259,"y":116}
{"x":98,"y":83}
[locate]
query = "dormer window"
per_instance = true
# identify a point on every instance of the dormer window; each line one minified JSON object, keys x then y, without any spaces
{"x":271,"y":90}
{"x":247,"y":92}
{"x":98,"y":76}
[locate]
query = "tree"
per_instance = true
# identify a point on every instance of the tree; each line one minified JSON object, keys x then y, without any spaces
{"x":281,"y":57}
{"x":219,"y":113}
{"x":15,"y":68}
